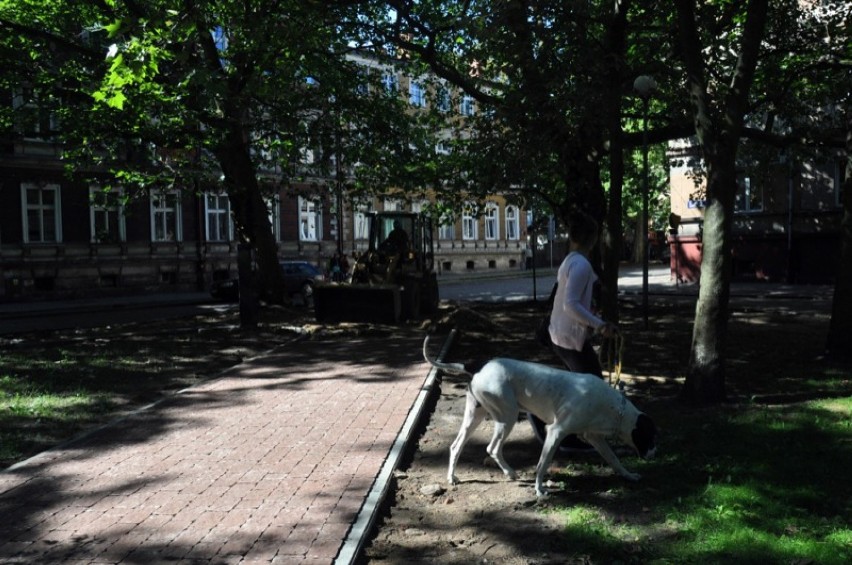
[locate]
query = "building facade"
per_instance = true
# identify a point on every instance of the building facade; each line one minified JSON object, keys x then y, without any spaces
{"x":62,"y":236}
{"x":786,"y":224}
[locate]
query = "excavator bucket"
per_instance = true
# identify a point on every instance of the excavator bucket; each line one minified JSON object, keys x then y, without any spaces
{"x":357,"y":303}
{"x":393,"y":280}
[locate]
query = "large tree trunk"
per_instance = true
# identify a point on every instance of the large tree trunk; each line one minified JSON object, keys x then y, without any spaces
{"x":839,"y":343}
{"x":705,"y":380}
{"x":250,"y":212}
{"x":718,"y":134}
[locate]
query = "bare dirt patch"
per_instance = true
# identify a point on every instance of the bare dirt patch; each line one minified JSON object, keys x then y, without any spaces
{"x":487,"y":519}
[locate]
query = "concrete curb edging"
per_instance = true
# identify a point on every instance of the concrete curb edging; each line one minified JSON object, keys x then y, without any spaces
{"x":354,"y":542}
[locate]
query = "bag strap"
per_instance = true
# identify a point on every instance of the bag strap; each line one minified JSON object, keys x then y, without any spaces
{"x":553,"y":293}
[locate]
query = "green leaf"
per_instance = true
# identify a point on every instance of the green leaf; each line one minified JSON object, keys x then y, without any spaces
{"x":117,"y":100}
{"x":113,"y":29}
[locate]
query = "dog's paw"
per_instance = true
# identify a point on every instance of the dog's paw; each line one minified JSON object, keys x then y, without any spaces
{"x":632,"y":476}
{"x":453,"y":480}
{"x":511,"y":475}
{"x":541,"y":493}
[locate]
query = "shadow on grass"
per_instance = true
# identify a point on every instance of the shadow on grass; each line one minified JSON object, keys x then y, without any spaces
{"x":52,"y":507}
{"x":751,"y":484}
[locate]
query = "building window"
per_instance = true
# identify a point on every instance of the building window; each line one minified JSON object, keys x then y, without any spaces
{"x":442,"y":99}
{"x":273,"y":209}
{"x":819,"y":185}
{"x":749,"y":196}
{"x":513,"y":229}
{"x":310,"y":220}
{"x":469,"y":224}
{"x":33,"y":119}
{"x":443,"y":148}
{"x":420,"y":206}
{"x":217,"y":217}
{"x":392,"y":205}
{"x":362,"y":87}
{"x":390,"y":82}
{"x":416,"y":94}
{"x":361,"y":223}
{"x":492,"y":217}
{"x":106,"y":214}
{"x":466,"y":108}
{"x":41,"y":213}
{"x":166,"y":222}
{"x":447,"y":231}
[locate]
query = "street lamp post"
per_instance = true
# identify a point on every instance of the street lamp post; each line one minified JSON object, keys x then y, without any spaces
{"x":644,"y":87}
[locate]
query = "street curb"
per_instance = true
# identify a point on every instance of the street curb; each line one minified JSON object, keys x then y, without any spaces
{"x":363,"y":526}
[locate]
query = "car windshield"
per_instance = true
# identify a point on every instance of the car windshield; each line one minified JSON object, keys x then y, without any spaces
{"x":299,"y":269}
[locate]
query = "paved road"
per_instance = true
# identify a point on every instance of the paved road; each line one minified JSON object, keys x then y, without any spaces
{"x":519,"y":285}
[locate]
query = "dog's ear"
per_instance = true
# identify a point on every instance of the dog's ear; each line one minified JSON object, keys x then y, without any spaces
{"x":644,"y":434}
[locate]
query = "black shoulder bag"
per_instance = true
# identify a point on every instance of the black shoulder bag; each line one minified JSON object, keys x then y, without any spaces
{"x":542,"y":332}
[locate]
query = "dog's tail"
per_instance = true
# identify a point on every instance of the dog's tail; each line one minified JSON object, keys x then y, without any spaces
{"x":451,"y":368}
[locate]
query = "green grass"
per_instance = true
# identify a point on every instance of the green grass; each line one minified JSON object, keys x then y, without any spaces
{"x":37,"y":414}
{"x":753,"y":484}
{"x":55,"y":385}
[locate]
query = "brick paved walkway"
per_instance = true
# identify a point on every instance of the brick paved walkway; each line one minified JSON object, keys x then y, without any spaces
{"x":270,"y":463}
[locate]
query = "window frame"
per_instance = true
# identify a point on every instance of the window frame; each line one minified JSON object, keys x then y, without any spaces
{"x":40,"y":208}
{"x":96,"y":206}
{"x":743,"y":197}
{"x":393,"y":205}
{"x":512,"y":215}
{"x":443,"y":99}
{"x":492,"y":221}
{"x":26,"y":101}
{"x":390,"y":82}
{"x":361,"y":222}
{"x":470,"y":224}
{"x":310,"y":220}
{"x":273,"y":210}
{"x":218,"y":212}
{"x":416,"y":94}
{"x":467,"y":105}
{"x":164,"y":211}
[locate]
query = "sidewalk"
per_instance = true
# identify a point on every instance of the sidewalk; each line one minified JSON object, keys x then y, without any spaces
{"x":282,"y":459}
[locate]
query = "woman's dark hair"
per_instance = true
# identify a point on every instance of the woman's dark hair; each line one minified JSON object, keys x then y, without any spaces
{"x":582,"y":229}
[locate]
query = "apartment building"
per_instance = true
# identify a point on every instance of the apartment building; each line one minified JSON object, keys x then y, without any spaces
{"x":786,"y":223}
{"x":64,"y":235}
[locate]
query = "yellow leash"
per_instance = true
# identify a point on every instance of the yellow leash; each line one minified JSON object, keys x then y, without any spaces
{"x":610,"y":356}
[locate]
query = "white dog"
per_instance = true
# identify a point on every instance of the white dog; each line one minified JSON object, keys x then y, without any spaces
{"x":573,"y":403}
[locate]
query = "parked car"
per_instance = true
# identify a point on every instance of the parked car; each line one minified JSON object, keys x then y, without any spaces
{"x":299,"y":280}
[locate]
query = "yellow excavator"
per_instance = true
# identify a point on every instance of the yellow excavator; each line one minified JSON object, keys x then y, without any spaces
{"x":393,"y":280}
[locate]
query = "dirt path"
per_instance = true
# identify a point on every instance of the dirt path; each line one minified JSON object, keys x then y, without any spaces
{"x":487,"y":519}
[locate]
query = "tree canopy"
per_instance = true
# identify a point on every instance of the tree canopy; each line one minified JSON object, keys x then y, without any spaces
{"x":235,"y":95}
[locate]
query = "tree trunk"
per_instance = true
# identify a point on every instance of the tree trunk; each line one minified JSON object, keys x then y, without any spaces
{"x":251,"y":216}
{"x":839,"y":343}
{"x":613,"y":235}
{"x":718,"y":134}
{"x":705,"y":381}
